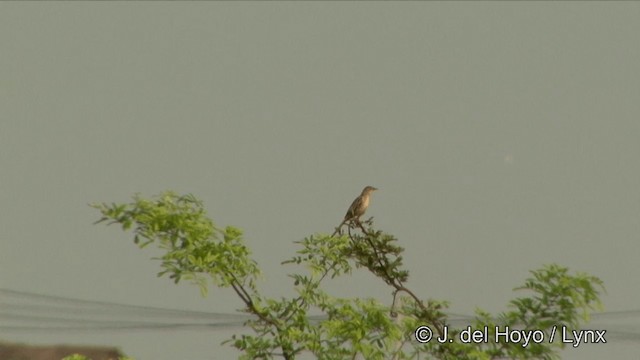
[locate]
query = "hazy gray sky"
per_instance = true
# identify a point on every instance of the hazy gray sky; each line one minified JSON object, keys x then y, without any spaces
{"x":502,"y":136}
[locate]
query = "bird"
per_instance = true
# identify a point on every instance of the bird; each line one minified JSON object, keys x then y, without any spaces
{"x":358,"y":208}
{"x":359,"y":205}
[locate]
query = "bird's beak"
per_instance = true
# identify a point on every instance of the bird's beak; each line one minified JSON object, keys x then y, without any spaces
{"x":375,"y":188}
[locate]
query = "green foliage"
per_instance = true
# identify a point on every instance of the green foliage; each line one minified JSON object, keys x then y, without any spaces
{"x":557,"y":299}
{"x":343,"y":328}
{"x":194,"y":248}
{"x":82,"y":357}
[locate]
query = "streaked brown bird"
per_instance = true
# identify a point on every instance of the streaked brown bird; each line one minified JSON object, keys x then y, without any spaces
{"x":359,"y":205}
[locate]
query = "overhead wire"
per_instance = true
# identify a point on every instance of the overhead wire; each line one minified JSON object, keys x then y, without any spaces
{"x":31,"y":311}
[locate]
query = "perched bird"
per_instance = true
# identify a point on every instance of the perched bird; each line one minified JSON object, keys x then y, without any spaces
{"x":359,"y":205}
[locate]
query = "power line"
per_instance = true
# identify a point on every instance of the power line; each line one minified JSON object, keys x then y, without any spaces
{"x":27,"y":311}
{"x":47,"y":313}
{"x":105,"y":305}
